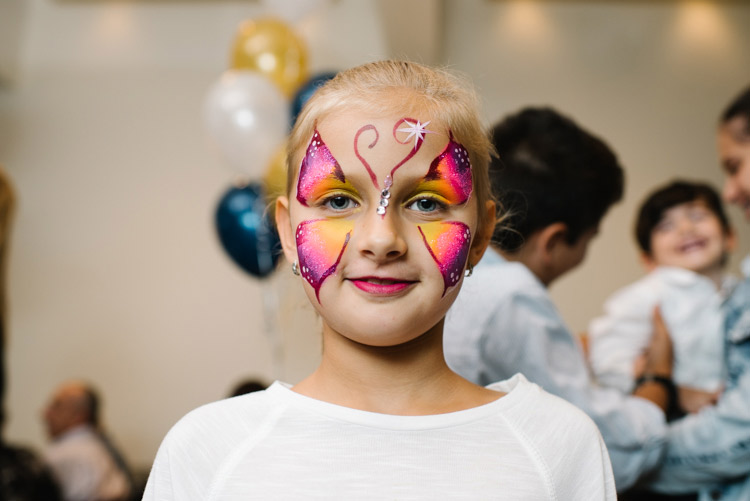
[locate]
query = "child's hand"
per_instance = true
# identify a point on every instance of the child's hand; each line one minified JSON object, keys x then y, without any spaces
{"x":659,"y":351}
{"x":692,"y":400}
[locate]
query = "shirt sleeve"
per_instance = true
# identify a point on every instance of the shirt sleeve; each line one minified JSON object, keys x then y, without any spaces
{"x":712,"y":446}
{"x":526,"y":334}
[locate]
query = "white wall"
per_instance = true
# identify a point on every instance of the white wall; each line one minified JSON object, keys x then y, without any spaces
{"x":116,"y":274}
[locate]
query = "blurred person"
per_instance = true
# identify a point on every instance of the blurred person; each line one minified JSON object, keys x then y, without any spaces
{"x":556,"y":181}
{"x":709,"y":452}
{"x":247,"y":386}
{"x":23,"y":475}
{"x":84,"y":461}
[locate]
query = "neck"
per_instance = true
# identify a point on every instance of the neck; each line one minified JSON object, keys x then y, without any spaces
{"x":408,"y":379}
{"x":527,"y":256}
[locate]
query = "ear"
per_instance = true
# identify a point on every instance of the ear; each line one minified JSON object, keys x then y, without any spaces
{"x":648,"y":261}
{"x":284,"y":227}
{"x":483,"y":235}
{"x":550,"y":238}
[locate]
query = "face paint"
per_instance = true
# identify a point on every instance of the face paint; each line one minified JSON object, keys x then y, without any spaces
{"x":448,"y":243}
{"x":450,"y":175}
{"x":415,"y":129}
{"x":320,"y":245}
{"x":319,"y":172}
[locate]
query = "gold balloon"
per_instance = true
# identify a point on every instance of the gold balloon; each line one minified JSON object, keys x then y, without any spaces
{"x":270,"y":47}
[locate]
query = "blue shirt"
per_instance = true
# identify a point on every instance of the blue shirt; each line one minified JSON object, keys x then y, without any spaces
{"x":504,"y":322}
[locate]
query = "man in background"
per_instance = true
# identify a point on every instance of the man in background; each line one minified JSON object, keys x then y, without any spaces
{"x":82,"y":459}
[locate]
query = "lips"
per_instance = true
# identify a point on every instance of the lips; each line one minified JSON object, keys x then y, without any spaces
{"x":692,"y":245}
{"x":381,"y":286}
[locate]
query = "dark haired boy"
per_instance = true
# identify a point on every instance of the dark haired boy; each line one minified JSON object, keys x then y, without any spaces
{"x":555,"y":182}
{"x":685,"y":238}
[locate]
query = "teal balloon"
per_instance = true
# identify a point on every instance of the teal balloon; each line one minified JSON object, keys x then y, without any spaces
{"x":246,"y":231}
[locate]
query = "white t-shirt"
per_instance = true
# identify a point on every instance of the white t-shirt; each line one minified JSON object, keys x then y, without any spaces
{"x":278,"y":444}
{"x":690,"y":305}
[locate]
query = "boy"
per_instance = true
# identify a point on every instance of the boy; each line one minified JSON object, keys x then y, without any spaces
{"x":557,"y":181}
{"x":684,"y":235}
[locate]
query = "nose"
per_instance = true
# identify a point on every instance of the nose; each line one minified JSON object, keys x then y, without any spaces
{"x":380,"y":237}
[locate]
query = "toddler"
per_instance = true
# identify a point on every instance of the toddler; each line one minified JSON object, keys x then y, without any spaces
{"x":387,"y":208}
{"x":685,"y":237}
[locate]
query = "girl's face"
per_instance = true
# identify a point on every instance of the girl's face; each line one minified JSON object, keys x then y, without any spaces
{"x":381,"y":221}
{"x":734,"y":154}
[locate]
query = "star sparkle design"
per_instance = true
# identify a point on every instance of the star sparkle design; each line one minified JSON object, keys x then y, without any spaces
{"x":418,"y":130}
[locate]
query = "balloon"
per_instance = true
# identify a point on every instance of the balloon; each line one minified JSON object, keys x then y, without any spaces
{"x":270,"y":47}
{"x":274,"y":180}
{"x":245,"y":230}
{"x":246,"y":116}
{"x":307,"y":90}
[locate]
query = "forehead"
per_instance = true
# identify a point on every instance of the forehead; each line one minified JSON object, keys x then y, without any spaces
{"x":678,"y":209}
{"x":357,"y":137}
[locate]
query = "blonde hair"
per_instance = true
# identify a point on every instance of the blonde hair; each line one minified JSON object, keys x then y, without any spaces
{"x":373,"y":87}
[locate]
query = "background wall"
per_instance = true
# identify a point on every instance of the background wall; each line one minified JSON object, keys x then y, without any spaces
{"x":116,"y":274}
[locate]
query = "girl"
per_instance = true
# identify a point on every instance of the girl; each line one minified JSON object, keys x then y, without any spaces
{"x":387,"y":207}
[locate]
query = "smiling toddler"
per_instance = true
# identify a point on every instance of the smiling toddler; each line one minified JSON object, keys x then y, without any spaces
{"x":685,"y":237}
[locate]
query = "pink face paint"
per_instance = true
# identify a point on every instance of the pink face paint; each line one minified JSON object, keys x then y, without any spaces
{"x":320,"y":245}
{"x":450,"y":174}
{"x":448,"y":243}
{"x":319,"y":172}
{"x":415,"y":129}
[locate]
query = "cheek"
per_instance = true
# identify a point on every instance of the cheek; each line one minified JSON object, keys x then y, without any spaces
{"x":320,"y":245}
{"x":448,"y":243}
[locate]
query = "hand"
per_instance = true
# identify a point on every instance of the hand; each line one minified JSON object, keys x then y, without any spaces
{"x":692,"y":400}
{"x":658,"y":354}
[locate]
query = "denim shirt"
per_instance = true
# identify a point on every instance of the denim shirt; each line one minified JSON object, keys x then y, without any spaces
{"x":709,"y":452}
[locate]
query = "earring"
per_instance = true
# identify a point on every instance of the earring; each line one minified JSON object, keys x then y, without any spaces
{"x":469,"y":270}
{"x":295,"y":268}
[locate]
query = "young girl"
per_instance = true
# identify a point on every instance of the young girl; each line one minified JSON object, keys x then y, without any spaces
{"x":387,"y":207}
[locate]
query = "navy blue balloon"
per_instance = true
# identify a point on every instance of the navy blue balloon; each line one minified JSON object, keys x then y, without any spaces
{"x":246,"y":231}
{"x":307,"y":90}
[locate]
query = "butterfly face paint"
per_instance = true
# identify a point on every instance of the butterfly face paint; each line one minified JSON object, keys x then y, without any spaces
{"x":415,"y":129}
{"x":320,"y":245}
{"x":448,"y":243}
{"x":319,"y":172}
{"x":450,"y":175}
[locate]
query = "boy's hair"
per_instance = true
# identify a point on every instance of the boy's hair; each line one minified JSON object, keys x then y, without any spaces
{"x":550,"y":170}
{"x":664,"y":198}
{"x":739,"y":107}
{"x":376,"y":87}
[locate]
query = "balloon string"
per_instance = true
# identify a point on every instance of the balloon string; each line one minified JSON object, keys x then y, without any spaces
{"x":270,"y":309}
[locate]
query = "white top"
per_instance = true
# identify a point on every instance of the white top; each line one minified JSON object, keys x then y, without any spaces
{"x":690,"y":305}
{"x":504,"y":322}
{"x":84,"y":467}
{"x":278,"y":444}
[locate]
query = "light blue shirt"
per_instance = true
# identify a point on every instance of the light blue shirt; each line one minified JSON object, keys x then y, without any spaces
{"x":504,"y":322}
{"x":710,"y":451}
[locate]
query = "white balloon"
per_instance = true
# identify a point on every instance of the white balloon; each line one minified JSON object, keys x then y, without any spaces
{"x":247,"y":118}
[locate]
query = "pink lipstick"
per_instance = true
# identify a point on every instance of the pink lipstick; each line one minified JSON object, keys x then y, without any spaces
{"x":380,"y":286}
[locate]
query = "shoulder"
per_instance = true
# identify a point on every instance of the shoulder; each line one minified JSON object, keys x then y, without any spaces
{"x":224,"y":417}
{"x":542,"y":412}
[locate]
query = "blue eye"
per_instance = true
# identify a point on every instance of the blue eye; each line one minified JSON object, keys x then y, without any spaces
{"x":340,"y":203}
{"x":425,"y":205}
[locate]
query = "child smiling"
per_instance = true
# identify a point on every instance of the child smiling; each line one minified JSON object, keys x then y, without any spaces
{"x":387,"y":209}
{"x":685,"y":238}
